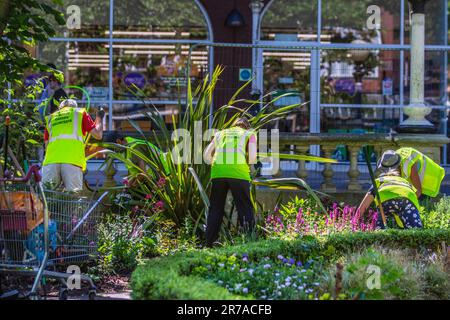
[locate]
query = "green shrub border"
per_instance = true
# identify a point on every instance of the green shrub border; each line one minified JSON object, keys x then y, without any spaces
{"x":168,"y":277}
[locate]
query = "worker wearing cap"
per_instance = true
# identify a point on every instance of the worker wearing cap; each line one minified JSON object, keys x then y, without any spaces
{"x":64,"y":137}
{"x":231,"y":152}
{"x":140,"y":146}
{"x":420,"y":170}
{"x":397,"y":195}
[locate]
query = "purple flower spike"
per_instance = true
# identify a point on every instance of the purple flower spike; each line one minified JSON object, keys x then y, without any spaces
{"x":291,"y":261}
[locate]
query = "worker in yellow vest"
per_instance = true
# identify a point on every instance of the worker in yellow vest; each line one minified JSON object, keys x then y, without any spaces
{"x":64,"y":137}
{"x":231,"y":152}
{"x":420,"y":170}
{"x":397,"y":195}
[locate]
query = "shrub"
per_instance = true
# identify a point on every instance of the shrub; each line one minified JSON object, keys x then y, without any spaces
{"x":280,"y":278}
{"x":172,"y":277}
{"x":121,"y":244}
{"x":439,"y":216}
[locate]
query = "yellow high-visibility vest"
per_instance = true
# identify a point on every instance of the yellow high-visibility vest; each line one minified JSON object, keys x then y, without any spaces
{"x":430,"y":173}
{"x":392,"y":187}
{"x":230,"y":156}
{"x":66,"y":139}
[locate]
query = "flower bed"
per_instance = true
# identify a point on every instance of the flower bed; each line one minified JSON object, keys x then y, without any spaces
{"x":265,"y":278}
{"x":183,"y":276}
{"x":301,"y":217}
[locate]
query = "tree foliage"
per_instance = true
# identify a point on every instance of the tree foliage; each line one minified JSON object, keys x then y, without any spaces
{"x":22,"y":24}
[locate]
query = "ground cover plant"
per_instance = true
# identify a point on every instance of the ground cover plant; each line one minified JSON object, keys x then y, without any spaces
{"x":199,"y":274}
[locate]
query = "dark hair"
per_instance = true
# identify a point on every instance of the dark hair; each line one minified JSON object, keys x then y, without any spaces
{"x":57,"y":98}
{"x":243,"y":123}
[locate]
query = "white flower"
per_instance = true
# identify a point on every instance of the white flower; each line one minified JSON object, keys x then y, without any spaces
{"x":288,"y":279}
{"x":220,"y":282}
{"x":266,"y":266}
{"x":221,"y":265}
{"x":250,"y":271}
{"x":245,"y":290}
{"x":263,"y":297}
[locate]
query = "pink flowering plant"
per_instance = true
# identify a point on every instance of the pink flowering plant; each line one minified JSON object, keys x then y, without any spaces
{"x":302,"y":217}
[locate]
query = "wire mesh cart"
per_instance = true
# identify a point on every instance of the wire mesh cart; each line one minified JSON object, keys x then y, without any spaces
{"x":42,"y":231}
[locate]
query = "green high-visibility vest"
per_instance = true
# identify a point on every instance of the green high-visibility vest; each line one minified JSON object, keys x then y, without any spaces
{"x":66,"y":139}
{"x":430,"y":173}
{"x":134,"y":143}
{"x":230,"y":156}
{"x":392,"y":187}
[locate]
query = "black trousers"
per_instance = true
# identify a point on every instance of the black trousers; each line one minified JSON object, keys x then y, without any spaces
{"x":240,"y":190}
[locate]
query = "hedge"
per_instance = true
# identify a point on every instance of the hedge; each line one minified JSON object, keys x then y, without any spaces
{"x":168,"y":277}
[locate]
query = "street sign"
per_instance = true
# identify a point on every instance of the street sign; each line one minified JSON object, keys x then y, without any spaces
{"x":245,"y":74}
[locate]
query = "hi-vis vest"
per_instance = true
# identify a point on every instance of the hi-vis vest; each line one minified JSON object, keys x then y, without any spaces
{"x":66,"y":139}
{"x":133,"y":143}
{"x":392,"y":187}
{"x":430,"y":173}
{"x":230,"y":160}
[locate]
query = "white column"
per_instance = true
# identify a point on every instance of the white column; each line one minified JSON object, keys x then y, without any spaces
{"x":256,"y":7}
{"x":417,"y":110}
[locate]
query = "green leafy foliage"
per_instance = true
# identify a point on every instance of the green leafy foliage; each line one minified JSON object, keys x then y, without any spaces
{"x":22,"y":23}
{"x":171,"y":277}
{"x":437,"y":216}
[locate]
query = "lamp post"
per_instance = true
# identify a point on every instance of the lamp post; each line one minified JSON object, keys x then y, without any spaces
{"x":256,"y":6}
{"x":358,"y":57}
{"x":417,"y":109}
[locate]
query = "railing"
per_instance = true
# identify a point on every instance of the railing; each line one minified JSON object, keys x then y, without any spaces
{"x":430,"y":144}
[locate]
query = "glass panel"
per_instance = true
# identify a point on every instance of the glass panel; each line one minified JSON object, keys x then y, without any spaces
{"x":288,"y":20}
{"x":346,"y":20}
{"x":84,"y":18}
{"x":360,"y":77}
{"x":158,"y":70}
{"x":289,"y":72}
{"x":123,"y":112}
{"x":435,"y":15}
{"x":154,"y":19}
{"x":83,"y":64}
{"x":435,"y":85}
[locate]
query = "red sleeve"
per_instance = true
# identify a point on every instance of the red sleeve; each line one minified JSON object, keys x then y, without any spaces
{"x":45,"y":135}
{"x":88,"y":124}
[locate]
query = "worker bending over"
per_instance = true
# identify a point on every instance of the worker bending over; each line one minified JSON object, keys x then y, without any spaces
{"x":230,"y":152}
{"x":398,"y":197}
{"x":421,"y":171}
{"x":64,"y":136}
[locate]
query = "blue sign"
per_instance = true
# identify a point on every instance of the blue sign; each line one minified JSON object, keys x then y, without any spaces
{"x":387,"y":87}
{"x":245,"y":74}
{"x":97,"y":93}
{"x":345,"y":85}
{"x":135,"y":78}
